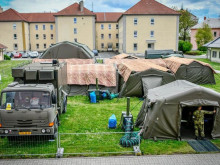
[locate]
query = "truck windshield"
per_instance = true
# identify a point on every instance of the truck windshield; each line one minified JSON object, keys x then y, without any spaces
{"x":25,"y":100}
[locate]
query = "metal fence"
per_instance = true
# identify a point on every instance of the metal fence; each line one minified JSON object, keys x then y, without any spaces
{"x":66,"y":144}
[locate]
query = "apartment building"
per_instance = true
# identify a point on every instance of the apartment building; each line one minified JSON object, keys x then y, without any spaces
{"x":147,"y":25}
{"x":107,"y":33}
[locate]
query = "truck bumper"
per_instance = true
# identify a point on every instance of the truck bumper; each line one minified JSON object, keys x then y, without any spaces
{"x":26,"y":131}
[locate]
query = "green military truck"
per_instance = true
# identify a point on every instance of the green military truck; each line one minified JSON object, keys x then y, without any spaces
{"x":32,"y":104}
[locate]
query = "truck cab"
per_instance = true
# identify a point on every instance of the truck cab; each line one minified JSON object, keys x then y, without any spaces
{"x":28,"y":109}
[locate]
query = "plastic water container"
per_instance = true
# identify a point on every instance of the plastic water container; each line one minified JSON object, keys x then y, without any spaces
{"x":92,"y":96}
{"x":112,"y":122}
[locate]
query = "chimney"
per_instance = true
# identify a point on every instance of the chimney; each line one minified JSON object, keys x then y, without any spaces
{"x":1,"y":9}
{"x":204,"y":18}
{"x":81,"y":5}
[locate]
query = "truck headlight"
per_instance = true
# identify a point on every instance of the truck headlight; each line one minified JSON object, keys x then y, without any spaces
{"x":6,"y":131}
{"x":48,"y":130}
{"x":43,"y":130}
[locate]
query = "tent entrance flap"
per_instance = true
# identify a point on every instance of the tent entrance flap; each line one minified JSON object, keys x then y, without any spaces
{"x":151,"y":81}
{"x":199,"y":102}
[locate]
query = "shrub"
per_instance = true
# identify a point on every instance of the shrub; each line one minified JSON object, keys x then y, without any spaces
{"x":7,"y":57}
{"x":202,"y":48}
{"x":194,"y":52}
{"x":185,"y":46}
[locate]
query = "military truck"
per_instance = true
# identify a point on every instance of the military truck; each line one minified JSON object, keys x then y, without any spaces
{"x":32,"y":104}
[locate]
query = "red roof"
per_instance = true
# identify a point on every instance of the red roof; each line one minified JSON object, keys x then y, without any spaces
{"x":3,"y":46}
{"x":74,"y":9}
{"x":107,"y":16}
{"x":151,"y":7}
{"x":39,"y":17}
{"x":11,"y":15}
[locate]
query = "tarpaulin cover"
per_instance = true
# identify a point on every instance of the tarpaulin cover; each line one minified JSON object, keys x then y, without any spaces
{"x":73,"y":61}
{"x":87,"y":74}
{"x":124,"y":56}
{"x":173,"y":63}
{"x":159,"y":62}
{"x":160,"y":114}
{"x":125,"y":69}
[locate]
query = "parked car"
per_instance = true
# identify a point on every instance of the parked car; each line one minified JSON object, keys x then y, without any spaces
{"x":24,"y":54}
{"x":33,"y":54}
{"x":96,"y":53}
{"x":11,"y":54}
{"x":17,"y":55}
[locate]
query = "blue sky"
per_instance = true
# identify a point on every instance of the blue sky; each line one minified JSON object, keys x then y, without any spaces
{"x":200,"y":8}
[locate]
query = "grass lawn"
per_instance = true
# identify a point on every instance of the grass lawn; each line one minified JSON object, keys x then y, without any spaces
{"x":83,"y":117}
{"x":215,"y":65}
{"x":5,"y":71}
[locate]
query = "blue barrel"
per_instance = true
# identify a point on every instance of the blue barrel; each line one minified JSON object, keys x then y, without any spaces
{"x":92,"y":96}
{"x":112,"y":122}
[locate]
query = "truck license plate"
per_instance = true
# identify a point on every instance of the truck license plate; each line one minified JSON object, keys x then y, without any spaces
{"x":24,"y":133}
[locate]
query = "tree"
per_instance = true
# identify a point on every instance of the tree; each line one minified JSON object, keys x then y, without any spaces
{"x":186,"y":21}
{"x":203,"y":35}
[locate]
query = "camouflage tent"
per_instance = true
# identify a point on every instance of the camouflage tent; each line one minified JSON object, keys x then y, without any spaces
{"x":166,"y":108}
{"x":80,"y":78}
{"x":191,"y":70}
{"x":66,"y":50}
{"x":134,"y":74}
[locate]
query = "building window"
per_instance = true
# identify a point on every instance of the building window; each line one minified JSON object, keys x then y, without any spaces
{"x":75,"y":39}
{"x":151,"y":33}
{"x":75,"y":20}
{"x":37,"y":36}
{"x":215,"y":34}
{"x":51,"y":36}
{"x":117,"y":45}
{"x":36,"y":27}
{"x":44,"y":36}
{"x":15,"y":36}
{"x":37,"y":46}
{"x":75,"y":30}
{"x":214,"y":54}
{"x":102,"y":36}
{"x":109,"y":36}
{"x":15,"y":46}
{"x":44,"y":27}
{"x":45,"y":46}
{"x":149,"y":46}
{"x":135,"y":21}
{"x":51,"y":27}
{"x":102,"y":45}
{"x":116,"y":35}
{"x":135,"y":47}
{"x":102,"y":26}
{"x":135,"y":34}
{"x":14,"y":26}
{"x":116,"y":26}
{"x":109,"y":26}
{"x":152,"y":21}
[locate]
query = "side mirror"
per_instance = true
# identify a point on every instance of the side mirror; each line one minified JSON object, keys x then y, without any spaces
{"x":54,"y":99}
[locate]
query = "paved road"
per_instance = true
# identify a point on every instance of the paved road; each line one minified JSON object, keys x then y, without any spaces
{"x":200,"y":159}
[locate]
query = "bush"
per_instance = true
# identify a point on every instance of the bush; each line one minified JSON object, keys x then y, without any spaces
{"x":7,"y":57}
{"x":194,"y":52}
{"x":201,"y":48}
{"x":185,"y":46}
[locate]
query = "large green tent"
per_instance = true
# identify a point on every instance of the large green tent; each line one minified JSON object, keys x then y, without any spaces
{"x":166,"y":108}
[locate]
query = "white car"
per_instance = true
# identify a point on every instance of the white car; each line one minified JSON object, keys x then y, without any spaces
{"x":33,"y":54}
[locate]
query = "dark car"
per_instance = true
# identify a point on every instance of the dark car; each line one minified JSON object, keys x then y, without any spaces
{"x":96,"y":53}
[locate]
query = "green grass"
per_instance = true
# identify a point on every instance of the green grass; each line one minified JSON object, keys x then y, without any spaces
{"x":5,"y":71}
{"x":215,"y":65}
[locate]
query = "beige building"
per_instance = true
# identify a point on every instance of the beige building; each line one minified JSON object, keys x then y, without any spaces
{"x":76,"y":23}
{"x":107,"y":31}
{"x":146,"y":25}
{"x":2,"y":48}
{"x":213,"y":52}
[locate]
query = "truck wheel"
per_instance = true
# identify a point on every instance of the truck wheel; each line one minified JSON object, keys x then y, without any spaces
{"x":54,"y":136}
{"x":64,"y":105}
